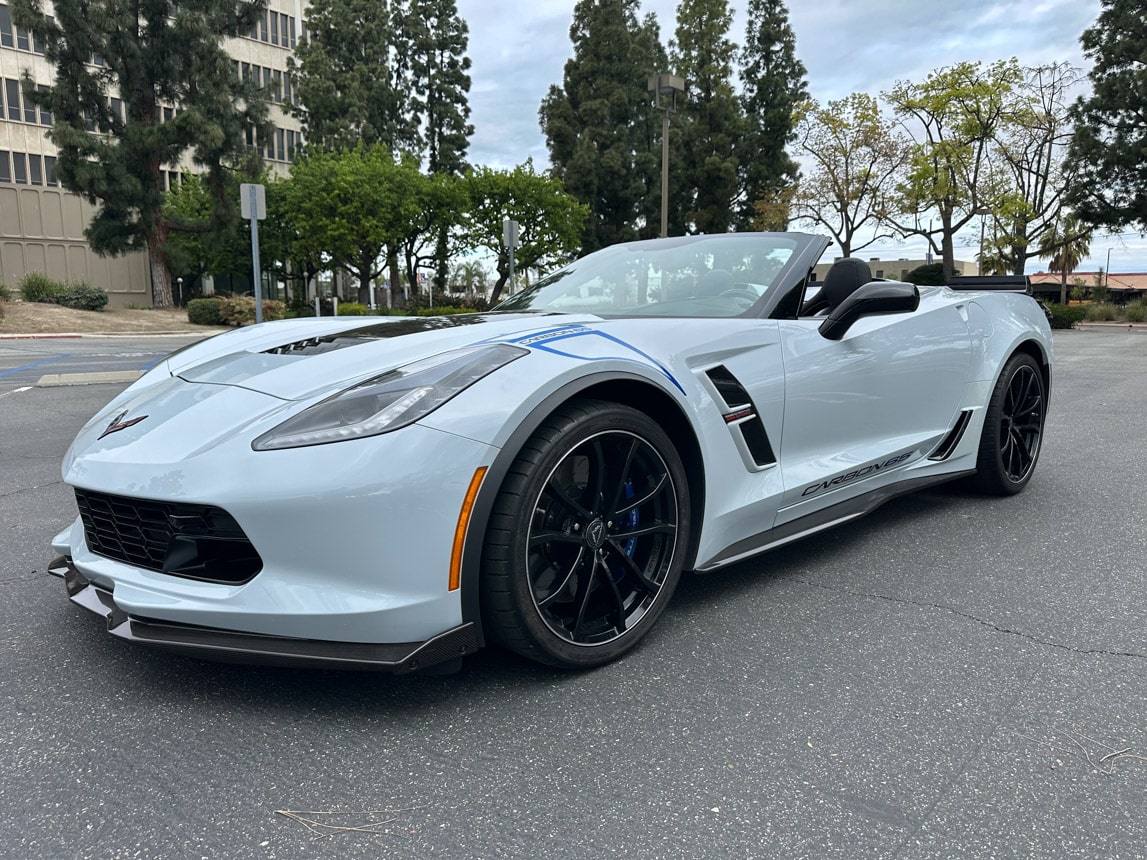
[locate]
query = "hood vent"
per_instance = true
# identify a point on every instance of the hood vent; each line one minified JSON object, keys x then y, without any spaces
{"x":373,"y":332}
{"x":741,"y":416}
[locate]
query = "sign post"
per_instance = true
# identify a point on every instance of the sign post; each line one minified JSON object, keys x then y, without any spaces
{"x":510,"y":229}
{"x":253,"y":205}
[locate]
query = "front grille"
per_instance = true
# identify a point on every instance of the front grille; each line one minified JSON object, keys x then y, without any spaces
{"x":193,"y":541}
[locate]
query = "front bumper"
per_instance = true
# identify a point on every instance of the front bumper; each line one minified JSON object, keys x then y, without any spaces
{"x":230,"y":646}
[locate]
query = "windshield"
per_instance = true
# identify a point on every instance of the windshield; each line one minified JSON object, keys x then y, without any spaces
{"x":722,"y":275}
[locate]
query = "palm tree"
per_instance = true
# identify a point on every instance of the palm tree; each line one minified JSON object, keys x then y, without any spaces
{"x":1065,"y":245}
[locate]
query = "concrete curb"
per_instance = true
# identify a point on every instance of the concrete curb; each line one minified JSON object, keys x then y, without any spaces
{"x":59,"y":335}
{"x":53,"y":380}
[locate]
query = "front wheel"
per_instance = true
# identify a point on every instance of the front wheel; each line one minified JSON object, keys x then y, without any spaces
{"x":1013,"y":428}
{"x":588,"y":536}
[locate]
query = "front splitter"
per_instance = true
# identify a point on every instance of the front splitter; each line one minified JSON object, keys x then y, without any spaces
{"x":235,"y":647}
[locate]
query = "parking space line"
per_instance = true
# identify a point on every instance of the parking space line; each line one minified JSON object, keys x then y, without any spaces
{"x":33,"y":364}
{"x":16,"y":390}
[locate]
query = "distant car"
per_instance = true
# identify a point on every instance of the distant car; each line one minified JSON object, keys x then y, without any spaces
{"x":393,"y":493}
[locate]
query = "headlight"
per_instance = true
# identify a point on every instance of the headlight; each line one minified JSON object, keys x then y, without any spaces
{"x":390,"y":401}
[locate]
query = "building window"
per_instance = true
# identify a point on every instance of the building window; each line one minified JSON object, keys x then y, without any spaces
{"x":277,"y":85}
{"x":20,"y":168}
{"x":292,"y":31}
{"x":6,"y":28}
{"x":880,"y":273}
{"x":5,"y":170}
{"x":263,"y":27}
{"x":280,"y":139}
{"x":29,"y":111}
{"x":22,"y":41}
{"x":35,"y":170}
{"x":168,"y":114}
{"x":50,"y":171}
{"x":117,"y":109}
{"x":274,"y":28}
{"x":45,"y":114}
{"x":12,"y":93}
{"x":287,"y":87}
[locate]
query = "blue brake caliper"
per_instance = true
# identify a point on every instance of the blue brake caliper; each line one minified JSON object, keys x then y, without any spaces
{"x":633,"y":519}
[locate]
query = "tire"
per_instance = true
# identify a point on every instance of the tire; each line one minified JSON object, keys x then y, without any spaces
{"x":1013,"y":428}
{"x":587,"y":537}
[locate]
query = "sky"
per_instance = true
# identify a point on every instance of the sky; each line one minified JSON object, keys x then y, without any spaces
{"x":519,"y":49}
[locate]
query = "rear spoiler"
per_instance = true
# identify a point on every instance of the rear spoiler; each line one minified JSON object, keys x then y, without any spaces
{"x":999,"y":283}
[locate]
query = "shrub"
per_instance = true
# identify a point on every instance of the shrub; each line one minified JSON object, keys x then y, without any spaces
{"x":1066,"y":316}
{"x":1137,"y":311}
{"x":204,"y":311}
{"x":82,"y":297}
{"x":443,"y":311}
{"x":36,"y":287}
{"x":5,"y":292}
{"x":240,"y":310}
{"x":353,"y":309}
{"x":1101,"y":312}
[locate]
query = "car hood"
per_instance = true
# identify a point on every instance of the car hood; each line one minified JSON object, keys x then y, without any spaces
{"x":302,"y":361}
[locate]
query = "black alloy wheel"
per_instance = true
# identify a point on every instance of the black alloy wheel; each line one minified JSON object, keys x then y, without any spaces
{"x":587,"y":539}
{"x":1013,"y":428}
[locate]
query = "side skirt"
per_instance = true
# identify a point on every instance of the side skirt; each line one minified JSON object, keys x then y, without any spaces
{"x":819,"y":521}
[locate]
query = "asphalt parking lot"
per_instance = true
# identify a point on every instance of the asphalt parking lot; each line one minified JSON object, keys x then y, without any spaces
{"x":950,"y":677}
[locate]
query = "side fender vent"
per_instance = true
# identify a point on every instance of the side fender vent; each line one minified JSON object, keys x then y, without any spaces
{"x":948,"y":443}
{"x":740,"y":413}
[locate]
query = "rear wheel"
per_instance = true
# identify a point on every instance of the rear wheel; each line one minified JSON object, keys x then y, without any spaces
{"x":1013,"y":428}
{"x":587,"y":538}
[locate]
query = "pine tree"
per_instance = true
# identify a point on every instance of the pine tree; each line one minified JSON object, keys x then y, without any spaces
{"x":773,"y":85}
{"x":1107,"y":150}
{"x":179,"y":92}
{"x":597,"y":122}
{"x":439,"y":70}
{"x":437,"y":39}
{"x":352,"y":76}
{"x":712,"y":120}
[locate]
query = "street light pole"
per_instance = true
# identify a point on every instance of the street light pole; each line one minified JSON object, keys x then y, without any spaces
{"x":668,"y":86}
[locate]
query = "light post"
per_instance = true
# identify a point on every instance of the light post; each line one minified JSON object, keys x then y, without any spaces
{"x":668,"y":86}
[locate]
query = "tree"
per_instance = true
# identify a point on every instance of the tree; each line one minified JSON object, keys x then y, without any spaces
{"x":551,"y":220}
{"x":348,"y":207}
{"x":1068,"y":242}
{"x":772,"y":87}
{"x":180,"y":96}
{"x":712,"y":122}
{"x":226,"y":250}
{"x":351,"y":76}
{"x":953,"y":118}
{"x":1110,"y":138}
{"x":1031,"y":146}
{"x":440,"y":203}
{"x":598,"y":123}
{"x":854,"y":155}
{"x":439,"y":71}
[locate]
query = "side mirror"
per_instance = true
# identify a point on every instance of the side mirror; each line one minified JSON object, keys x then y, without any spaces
{"x":875,"y":297}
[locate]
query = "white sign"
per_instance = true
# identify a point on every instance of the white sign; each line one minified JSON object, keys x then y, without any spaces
{"x":510,"y":233}
{"x":253,"y":199}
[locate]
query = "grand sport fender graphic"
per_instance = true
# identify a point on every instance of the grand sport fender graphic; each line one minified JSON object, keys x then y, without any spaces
{"x":584,"y":344}
{"x":856,"y":474}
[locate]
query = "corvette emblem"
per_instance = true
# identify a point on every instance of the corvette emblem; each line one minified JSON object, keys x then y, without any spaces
{"x":119,"y":424}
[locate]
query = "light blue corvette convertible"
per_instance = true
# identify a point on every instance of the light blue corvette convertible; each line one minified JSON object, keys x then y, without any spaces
{"x":392,"y":493}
